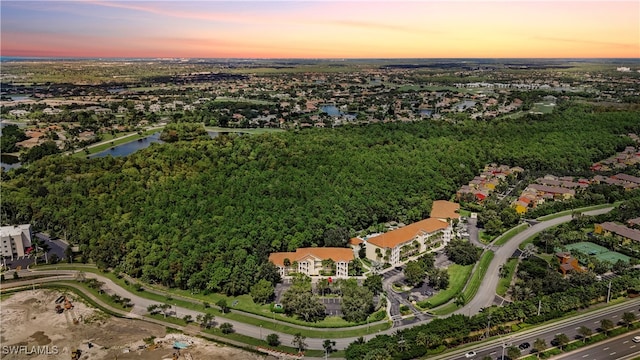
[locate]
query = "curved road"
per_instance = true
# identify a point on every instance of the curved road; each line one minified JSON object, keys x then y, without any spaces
{"x":483,"y":298}
{"x":487,"y":292}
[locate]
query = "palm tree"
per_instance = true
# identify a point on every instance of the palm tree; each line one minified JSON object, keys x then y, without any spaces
{"x":328,"y":347}
{"x":562,"y":340}
{"x":585,"y":332}
{"x":539,"y":345}
{"x":513,"y":352}
{"x":606,"y":325}
{"x":628,"y":318}
{"x":459,"y":300}
{"x":298,"y":341}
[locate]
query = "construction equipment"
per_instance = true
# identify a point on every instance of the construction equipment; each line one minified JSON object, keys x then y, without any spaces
{"x":59,"y":309}
{"x":67,"y":304}
{"x":75,"y":354}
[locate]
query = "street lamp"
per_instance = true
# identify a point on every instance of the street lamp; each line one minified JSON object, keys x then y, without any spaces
{"x":260,"y":332}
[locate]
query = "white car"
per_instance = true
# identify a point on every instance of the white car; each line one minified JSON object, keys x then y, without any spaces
{"x":470,"y":354}
{"x":636,"y":339}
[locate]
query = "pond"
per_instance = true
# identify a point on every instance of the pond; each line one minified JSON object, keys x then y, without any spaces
{"x":9,"y":162}
{"x":131,"y":147}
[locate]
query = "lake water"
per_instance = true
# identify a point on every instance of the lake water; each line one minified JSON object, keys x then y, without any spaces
{"x":18,"y":97}
{"x":9,"y":162}
{"x":12,"y":162}
{"x":330,"y":110}
{"x":131,"y":147}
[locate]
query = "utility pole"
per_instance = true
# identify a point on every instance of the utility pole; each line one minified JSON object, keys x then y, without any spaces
{"x":609,"y":292}
{"x":488,"y":323}
{"x":539,"y":306}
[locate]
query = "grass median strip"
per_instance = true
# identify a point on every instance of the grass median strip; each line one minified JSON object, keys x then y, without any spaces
{"x":458,"y":276}
{"x":511,"y":233}
{"x":504,"y":282}
{"x":172,"y":298}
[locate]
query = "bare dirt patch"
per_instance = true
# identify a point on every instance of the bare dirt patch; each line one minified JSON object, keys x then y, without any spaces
{"x":31,"y":329}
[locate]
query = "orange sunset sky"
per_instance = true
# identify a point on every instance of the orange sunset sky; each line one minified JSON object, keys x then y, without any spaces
{"x":321,"y":29}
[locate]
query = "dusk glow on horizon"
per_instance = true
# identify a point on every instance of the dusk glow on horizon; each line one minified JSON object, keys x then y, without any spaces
{"x":321,"y":29}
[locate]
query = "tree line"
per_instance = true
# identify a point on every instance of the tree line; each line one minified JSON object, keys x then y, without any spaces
{"x":204,"y":215}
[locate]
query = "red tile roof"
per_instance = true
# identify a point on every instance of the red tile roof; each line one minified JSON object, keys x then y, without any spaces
{"x":442,"y":209}
{"x":396,"y":237}
{"x":333,"y":253}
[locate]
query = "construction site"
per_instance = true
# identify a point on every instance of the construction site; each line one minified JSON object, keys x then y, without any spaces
{"x":48,"y":324}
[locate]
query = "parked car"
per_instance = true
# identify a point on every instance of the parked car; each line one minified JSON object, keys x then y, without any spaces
{"x":470,"y":354}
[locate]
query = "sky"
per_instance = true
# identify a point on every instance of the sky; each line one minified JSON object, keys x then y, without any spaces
{"x":321,"y":29}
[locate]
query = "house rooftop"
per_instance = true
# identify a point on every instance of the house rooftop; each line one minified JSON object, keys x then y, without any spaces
{"x":334,"y":253}
{"x":396,"y":237}
{"x":442,"y":209}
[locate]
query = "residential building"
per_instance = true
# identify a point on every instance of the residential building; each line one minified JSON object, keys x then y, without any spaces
{"x":609,"y":228}
{"x":15,"y":240}
{"x":445,"y":210}
{"x":394,"y":246}
{"x":568,"y":263}
{"x":308,"y":261}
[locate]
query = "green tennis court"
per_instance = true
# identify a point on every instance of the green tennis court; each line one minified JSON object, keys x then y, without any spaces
{"x":600,"y":252}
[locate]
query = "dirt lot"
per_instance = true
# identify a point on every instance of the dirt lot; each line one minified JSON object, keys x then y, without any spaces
{"x":31,"y":329}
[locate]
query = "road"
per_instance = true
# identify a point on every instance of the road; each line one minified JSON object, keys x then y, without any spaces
{"x":493,"y":348}
{"x":484,"y":297}
{"x":487,"y":292}
{"x":618,"y":348}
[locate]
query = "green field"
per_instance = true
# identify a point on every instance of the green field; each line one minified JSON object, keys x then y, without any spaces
{"x":504,"y":282}
{"x":458,"y":276}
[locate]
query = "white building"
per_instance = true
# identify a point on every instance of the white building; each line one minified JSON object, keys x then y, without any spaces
{"x":15,"y":239}
{"x":395,"y":246}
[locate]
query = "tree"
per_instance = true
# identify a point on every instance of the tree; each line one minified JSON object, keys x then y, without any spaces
{"x":303,"y":303}
{"x":439,"y":278}
{"x":628,"y":318}
{"x":585,"y":332}
{"x":328,"y":346}
{"x":414,"y":273}
{"x":539,"y":345}
{"x":226,"y":328}
{"x":425,"y":339}
{"x":187,"y":318}
{"x":337,"y":237}
{"x":222,"y":304}
{"x":298,"y":342}
{"x":207,"y":319}
{"x":378,"y":354}
{"x":459,"y":300}
{"x":373,"y":283}
{"x":561,"y":340}
{"x":164,"y":308}
{"x":357,"y":303}
{"x":262,"y":292}
{"x":273,"y":339}
{"x":513,"y":352}
{"x":606,"y":325}
{"x":462,"y":252}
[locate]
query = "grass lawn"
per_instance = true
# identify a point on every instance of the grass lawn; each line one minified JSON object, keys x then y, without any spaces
{"x":243,"y":130}
{"x":502,"y":239}
{"x":458,"y":276}
{"x":465,"y":213}
{"x":185,"y":299}
{"x":243,"y":100}
{"x":503,"y":283}
{"x":473,"y":285}
{"x":569,"y":212}
{"x":484,"y":237}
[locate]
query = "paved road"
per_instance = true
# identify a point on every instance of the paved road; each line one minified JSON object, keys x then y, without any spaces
{"x":493,"y":348}
{"x":487,"y":292}
{"x":483,"y":298}
{"x":618,"y":348}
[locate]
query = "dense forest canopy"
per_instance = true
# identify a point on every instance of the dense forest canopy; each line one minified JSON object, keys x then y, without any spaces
{"x":189,"y":214}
